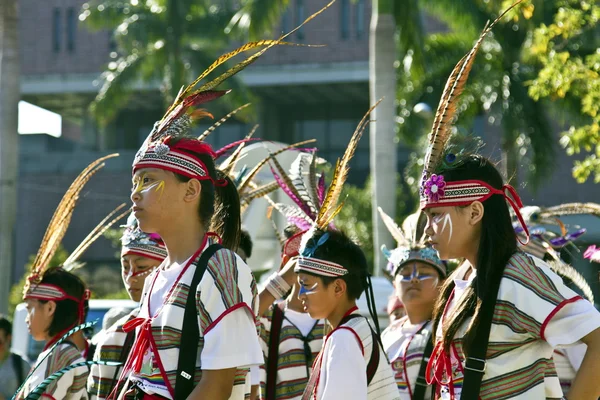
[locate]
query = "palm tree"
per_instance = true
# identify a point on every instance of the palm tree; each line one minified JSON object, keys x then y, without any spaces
{"x":9,"y":141}
{"x":389,"y":19}
{"x":498,"y":83}
{"x":169,"y":41}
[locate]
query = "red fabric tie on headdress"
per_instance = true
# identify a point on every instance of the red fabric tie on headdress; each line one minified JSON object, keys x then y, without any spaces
{"x":515,"y":202}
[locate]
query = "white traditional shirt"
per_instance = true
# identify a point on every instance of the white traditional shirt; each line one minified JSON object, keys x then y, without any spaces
{"x":343,"y":366}
{"x":103,"y":378}
{"x":535,"y":312}
{"x":567,"y":361}
{"x":70,"y":386}
{"x":405,"y":346}
{"x":227,"y":303}
{"x":292,"y":363}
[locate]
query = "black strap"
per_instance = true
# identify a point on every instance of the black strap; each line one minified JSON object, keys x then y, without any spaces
{"x":475,"y":364}
{"x":90,"y":352}
{"x":190,"y":332}
{"x":127,"y":345}
{"x":421,"y":383}
{"x":17,"y":363}
{"x":276,"y":322}
{"x":374,"y":360}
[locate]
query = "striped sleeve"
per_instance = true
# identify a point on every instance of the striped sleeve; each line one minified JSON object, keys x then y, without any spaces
{"x":534,"y":300}
{"x":72,"y":385}
{"x":264,"y":334}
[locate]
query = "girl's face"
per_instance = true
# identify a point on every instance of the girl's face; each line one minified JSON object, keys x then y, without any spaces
{"x":158,"y":197}
{"x":318,"y":301}
{"x":134,"y":270}
{"x":39,"y":317}
{"x":416,"y":283}
{"x":450,"y":231}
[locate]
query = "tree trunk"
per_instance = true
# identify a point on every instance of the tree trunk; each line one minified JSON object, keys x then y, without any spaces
{"x":382,"y":84}
{"x":9,"y":142}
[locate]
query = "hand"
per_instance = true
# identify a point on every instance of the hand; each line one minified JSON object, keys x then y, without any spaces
{"x":287,"y":269}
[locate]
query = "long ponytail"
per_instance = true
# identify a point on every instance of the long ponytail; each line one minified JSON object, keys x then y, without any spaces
{"x":227,"y":220}
{"x":497,"y":244}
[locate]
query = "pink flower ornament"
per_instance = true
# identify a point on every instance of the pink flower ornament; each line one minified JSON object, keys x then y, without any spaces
{"x":434,"y":188}
{"x":592,"y":253}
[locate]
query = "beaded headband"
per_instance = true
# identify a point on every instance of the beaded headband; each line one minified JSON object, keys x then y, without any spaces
{"x":136,"y":242}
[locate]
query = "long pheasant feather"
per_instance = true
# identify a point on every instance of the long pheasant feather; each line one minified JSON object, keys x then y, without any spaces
{"x":229,"y":164}
{"x":446,"y":111}
{"x":259,"y":192}
{"x":104,"y":225}
{"x":567,"y":271}
{"x":62,"y":216}
{"x":394,"y":229}
{"x":297,"y":177}
{"x":340,"y":173}
{"x":571,"y":209}
{"x":313,"y":180}
{"x":220,"y":122}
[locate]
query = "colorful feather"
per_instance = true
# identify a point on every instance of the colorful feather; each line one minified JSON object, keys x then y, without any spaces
{"x":250,"y":176}
{"x":340,"y":174}
{"x":259,"y":192}
{"x":321,"y":189}
{"x":296,"y":175}
{"x":571,"y":209}
{"x":313,"y":180}
{"x":287,"y":186}
{"x":447,"y":109}
{"x":229,"y":164}
{"x":592,"y":253}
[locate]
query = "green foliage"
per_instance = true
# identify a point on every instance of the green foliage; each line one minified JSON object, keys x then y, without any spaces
{"x":16,"y":292}
{"x":497,"y":85}
{"x":356,"y":215}
{"x":568,"y":51}
{"x":166,"y":41}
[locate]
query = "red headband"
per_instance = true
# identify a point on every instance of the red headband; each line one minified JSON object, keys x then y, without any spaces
{"x":174,"y":158}
{"x":436,"y":192}
{"x":49,"y":292}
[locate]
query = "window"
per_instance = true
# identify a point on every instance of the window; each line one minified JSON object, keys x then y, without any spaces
{"x":360,"y":19}
{"x":345,"y":19}
{"x":300,"y":18}
{"x":71,"y":29}
{"x":56,"y":30}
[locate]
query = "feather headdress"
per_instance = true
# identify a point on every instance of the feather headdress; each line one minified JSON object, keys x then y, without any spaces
{"x":410,"y":244}
{"x":546,"y":243}
{"x":56,"y":231}
{"x":160,"y":151}
{"x":136,"y":242}
{"x":314,"y":207}
{"x":435,"y":191}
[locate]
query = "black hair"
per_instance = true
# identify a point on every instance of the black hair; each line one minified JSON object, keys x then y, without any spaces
{"x":66,"y":315}
{"x":341,"y":249}
{"x":246,"y":243}
{"x":5,"y":325}
{"x":219,"y":207}
{"x":497,"y":244}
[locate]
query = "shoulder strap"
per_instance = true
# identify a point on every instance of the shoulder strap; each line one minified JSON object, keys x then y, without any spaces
{"x":475,"y":363}
{"x":276,"y":322}
{"x":90,"y":352}
{"x":421,"y":383}
{"x":374,"y":360}
{"x":127,"y":345}
{"x":190,"y":332}
{"x":17,"y":363}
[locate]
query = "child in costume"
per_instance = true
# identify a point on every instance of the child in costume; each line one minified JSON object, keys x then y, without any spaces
{"x":332,"y":273}
{"x":290,"y":337}
{"x":502,"y":312}
{"x":57,"y":304}
{"x":141,"y":253}
{"x":417,"y":273}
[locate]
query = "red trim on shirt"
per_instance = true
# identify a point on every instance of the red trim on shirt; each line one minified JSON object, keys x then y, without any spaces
{"x":554,"y":312}
{"x":48,"y":396}
{"x":228,"y":311}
